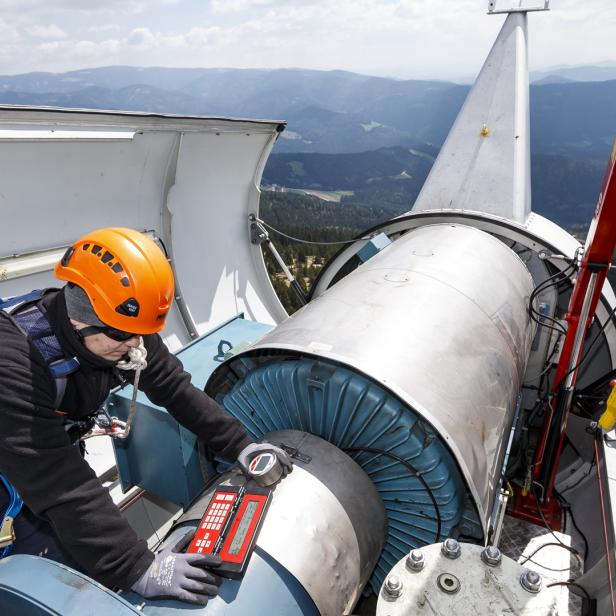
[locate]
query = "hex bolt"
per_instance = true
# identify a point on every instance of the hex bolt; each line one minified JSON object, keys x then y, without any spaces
{"x":531,"y":581}
{"x":415,"y":561}
{"x":392,"y":587}
{"x":451,"y":549}
{"x":491,"y":556}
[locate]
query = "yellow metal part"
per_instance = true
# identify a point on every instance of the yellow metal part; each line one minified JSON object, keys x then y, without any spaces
{"x":7,"y":532}
{"x":607,"y":421}
{"x":485,"y":131}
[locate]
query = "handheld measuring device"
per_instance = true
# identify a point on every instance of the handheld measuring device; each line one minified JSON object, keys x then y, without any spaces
{"x":234,"y":516}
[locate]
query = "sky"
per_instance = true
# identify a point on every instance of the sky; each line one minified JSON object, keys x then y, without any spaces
{"x":407,"y":39}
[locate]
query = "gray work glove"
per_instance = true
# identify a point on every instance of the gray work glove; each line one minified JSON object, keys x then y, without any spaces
{"x":180,"y":576}
{"x":254,"y":449}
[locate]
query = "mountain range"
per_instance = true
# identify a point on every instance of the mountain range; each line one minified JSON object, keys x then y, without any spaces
{"x":361,"y":119}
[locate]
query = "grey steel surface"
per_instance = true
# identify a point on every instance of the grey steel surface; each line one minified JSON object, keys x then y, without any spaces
{"x":440,"y":318}
{"x":484,"y":164}
{"x":466,"y":585}
{"x":326,"y":524}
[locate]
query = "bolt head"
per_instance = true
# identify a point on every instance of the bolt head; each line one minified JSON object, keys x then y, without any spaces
{"x":451,"y":548}
{"x":415,"y":561}
{"x":393,"y":587}
{"x":491,"y":555}
{"x":531,"y":581}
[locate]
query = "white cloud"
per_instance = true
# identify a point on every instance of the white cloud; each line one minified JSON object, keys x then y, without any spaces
{"x":201,"y":36}
{"x":142,"y":38}
{"x":405,"y":38}
{"x":236,"y":6}
{"x":8,"y":33}
{"x":46,"y":32}
{"x":104,"y":28}
{"x":85,"y":7}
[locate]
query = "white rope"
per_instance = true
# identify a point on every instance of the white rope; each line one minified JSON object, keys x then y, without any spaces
{"x":136,"y":358}
{"x":137,"y":362}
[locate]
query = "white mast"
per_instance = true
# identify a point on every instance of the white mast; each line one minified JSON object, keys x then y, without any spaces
{"x":484,"y":164}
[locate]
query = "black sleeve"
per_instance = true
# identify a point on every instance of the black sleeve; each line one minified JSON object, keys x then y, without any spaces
{"x":52,"y":478}
{"x":167,"y":384}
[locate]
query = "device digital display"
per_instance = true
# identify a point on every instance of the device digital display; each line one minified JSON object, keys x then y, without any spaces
{"x":242,"y":529}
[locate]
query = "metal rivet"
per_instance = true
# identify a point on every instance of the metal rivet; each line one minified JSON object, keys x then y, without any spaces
{"x":451,"y":548}
{"x":415,"y":561}
{"x":392,"y":587}
{"x":531,"y":581}
{"x":491,"y":555}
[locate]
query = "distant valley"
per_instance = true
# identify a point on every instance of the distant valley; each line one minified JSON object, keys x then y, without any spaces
{"x":371,"y":140}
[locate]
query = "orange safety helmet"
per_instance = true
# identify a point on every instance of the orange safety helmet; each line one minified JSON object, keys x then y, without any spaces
{"x":126,"y":276}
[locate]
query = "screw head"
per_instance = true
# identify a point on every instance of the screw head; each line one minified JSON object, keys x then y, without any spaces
{"x":415,"y":561}
{"x":451,"y":548}
{"x":449,"y":583}
{"x":531,"y":581}
{"x":393,"y":587}
{"x":491,"y":555}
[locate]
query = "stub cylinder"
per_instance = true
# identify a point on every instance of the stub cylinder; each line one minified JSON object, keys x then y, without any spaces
{"x":324,"y":530}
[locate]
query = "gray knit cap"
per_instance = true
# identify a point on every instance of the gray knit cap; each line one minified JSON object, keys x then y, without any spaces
{"x":78,"y":306}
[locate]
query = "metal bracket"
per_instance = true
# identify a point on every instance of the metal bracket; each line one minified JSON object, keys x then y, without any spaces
{"x":259,"y":236}
{"x":296,"y":454}
{"x":7,"y":532}
{"x":520,"y":8}
{"x":258,"y":233}
{"x":544,"y":256}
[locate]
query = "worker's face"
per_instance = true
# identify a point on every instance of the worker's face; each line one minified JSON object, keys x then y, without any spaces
{"x":106,"y":347}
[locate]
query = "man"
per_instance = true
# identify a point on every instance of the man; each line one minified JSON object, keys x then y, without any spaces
{"x":62,"y":352}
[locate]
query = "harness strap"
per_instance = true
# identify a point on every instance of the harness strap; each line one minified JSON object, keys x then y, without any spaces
{"x":18,"y":300}
{"x":34,"y":324}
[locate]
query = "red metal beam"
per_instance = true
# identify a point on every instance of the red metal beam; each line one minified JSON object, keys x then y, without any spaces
{"x":595,"y":264}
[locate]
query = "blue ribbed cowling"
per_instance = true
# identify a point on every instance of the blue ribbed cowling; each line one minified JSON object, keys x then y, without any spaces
{"x":352,"y":412}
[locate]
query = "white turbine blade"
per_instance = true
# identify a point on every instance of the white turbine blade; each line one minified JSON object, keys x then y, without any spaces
{"x":484,"y":164}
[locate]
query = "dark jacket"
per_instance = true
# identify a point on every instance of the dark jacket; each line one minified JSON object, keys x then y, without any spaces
{"x":55,"y":482}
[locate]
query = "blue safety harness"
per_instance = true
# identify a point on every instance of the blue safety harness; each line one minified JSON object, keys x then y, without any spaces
{"x":25,"y":312}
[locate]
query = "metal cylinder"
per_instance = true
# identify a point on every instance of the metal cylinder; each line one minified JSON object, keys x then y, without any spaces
{"x":321,"y":537}
{"x":412,"y":363}
{"x":440,"y":318}
{"x":326,"y":524}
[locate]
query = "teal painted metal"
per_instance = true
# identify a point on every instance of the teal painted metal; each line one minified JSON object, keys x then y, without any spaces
{"x":34,"y":586}
{"x":409,"y":464}
{"x":266,"y":589}
{"x":374,"y":246}
{"x":174,"y":472}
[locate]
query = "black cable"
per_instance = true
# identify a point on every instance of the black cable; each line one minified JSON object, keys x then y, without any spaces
{"x":548,"y":365}
{"x":575,"y":585}
{"x":581,"y":479}
{"x":566,"y":504}
{"x":414,"y":471}
{"x":553,"y":280}
{"x":548,"y":282}
{"x":297,"y":239}
{"x":589,"y":347}
{"x":545,"y":523}
{"x":569,"y":442}
{"x":545,"y":545}
{"x":540,"y":404}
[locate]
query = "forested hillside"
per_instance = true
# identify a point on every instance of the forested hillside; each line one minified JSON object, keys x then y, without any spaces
{"x":565,"y":188}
